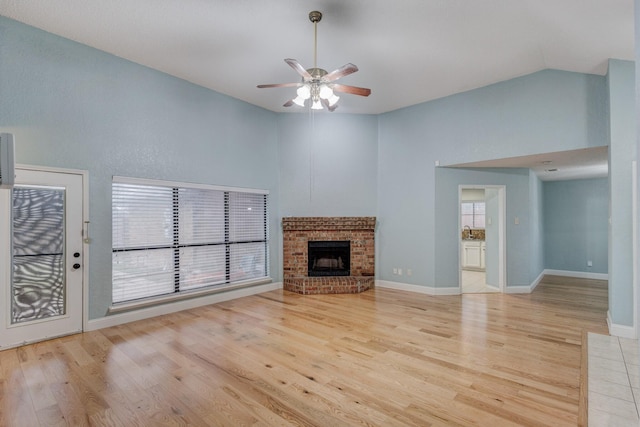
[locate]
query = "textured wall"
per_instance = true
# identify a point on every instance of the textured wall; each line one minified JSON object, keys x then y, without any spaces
{"x":72,"y":106}
{"x":446,"y":234}
{"x":576,"y":216}
{"x":536,"y":227}
{"x":328,"y":164}
{"x":622,"y":151}
{"x":543,"y":112}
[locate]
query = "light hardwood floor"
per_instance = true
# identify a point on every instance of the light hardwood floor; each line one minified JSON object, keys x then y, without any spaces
{"x":381,"y":358}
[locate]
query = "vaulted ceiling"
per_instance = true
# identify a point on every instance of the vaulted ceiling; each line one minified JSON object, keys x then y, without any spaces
{"x":408,"y":51}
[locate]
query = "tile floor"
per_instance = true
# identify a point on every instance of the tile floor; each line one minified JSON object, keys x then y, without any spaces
{"x":473,"y":282}
{"x":614,"y":381}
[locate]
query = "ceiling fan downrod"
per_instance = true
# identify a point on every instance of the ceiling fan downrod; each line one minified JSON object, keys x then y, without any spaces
{"x":315,"y":17}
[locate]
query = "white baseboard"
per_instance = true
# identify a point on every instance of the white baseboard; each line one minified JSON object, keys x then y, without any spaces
{"x":537,"y":281}
{"x":524,"y":289}
{"x":454,"y":290}
{"x":577,"y":274}
{"x":622,"y":331}
{"x":429,"y":290}
{"x":146,"y":313}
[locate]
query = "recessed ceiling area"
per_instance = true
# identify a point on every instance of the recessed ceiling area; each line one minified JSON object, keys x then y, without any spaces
{"x":557,"y":166}
{"x":407,"y":52}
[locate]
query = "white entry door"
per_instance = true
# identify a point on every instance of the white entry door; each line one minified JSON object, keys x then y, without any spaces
{"x":42,"y":257}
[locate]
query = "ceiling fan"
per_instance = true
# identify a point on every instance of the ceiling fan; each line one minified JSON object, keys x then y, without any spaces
{"x":317,"y":84}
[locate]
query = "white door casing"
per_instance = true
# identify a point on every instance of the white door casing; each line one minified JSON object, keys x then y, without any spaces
{"x":498,"y":261}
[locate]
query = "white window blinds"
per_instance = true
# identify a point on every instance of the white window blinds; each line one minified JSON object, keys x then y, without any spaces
{"x":174,"y":237}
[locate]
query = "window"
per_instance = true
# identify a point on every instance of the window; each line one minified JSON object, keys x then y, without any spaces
{"x":472,"y":214}
{"x":170,"y":238}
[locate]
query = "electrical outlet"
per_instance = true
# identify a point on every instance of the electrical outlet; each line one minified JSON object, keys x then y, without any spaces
{"x":589,"y":263}
{"x":395,"y":270}
{"x":399,"y":272}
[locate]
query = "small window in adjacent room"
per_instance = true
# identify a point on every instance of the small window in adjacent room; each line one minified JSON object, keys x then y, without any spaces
{"x":472,"y":214}
{"x":171,"y":238}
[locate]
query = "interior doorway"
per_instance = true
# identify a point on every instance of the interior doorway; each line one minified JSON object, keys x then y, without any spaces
{"x":482,"y":238}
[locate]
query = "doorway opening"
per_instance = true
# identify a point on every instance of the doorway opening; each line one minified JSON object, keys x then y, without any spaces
{"x":482,"y":237}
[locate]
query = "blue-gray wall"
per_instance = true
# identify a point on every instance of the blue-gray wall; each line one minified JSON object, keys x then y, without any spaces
{"x":637,"y":143}
{"x":536,"y":227}
{"x":622,"y":151}
{"x":543,"y":112}
{"x":447,"y":229}
{"x":72,"y":106}
{"x":492,"y":237}
{"x":328,"y":164}
{"x":76,"y":107}
{"x":576,"y":216}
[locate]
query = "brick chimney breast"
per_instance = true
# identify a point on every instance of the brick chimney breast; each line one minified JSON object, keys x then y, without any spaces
{"x":298,"y":231}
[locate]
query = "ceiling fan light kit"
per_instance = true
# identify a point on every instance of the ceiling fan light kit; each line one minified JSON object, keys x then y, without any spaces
{"x":317,"y":85}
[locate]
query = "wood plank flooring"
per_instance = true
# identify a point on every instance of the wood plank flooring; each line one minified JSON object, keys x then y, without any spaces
{"x":380,"y":358}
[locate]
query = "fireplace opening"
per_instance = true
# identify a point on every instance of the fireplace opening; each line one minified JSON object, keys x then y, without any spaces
{"x":329,"y":258}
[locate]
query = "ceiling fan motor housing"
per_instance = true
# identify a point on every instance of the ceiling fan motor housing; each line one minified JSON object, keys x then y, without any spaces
{"x":315,"y":16}
{"x":316,"y":74}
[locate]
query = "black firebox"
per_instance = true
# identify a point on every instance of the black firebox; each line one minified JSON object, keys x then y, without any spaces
{"x":329,"y":258}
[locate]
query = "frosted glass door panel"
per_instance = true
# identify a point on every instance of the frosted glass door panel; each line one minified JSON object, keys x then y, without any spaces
{"x":38,"y":285}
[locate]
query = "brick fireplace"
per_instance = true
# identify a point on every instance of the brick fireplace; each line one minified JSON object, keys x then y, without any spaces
{"x":360,"y":273}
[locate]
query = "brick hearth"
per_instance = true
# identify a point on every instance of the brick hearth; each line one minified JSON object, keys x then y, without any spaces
{"x":298,"y":231}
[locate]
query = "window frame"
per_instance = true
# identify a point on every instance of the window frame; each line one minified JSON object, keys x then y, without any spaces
{"x":176,"y":245}
{"x":473,"y":214}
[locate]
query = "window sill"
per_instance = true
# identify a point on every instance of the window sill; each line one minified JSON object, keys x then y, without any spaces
{"x":164,"y":299}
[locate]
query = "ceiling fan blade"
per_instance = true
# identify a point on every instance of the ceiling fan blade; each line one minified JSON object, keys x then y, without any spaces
{"x":289,"y":103}
{"x":353,"y":90}
{"x":345,"y":70}
{"x":279,"y":85}
{"x":299,"y":68}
